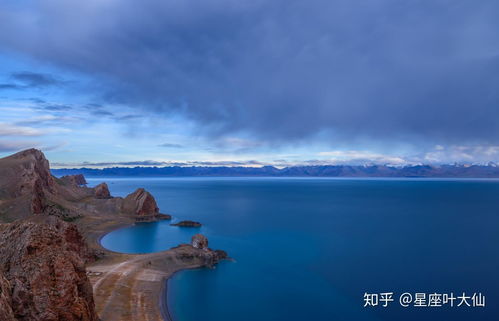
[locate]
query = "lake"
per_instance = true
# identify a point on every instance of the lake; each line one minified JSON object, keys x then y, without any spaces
{"x":310,"y":248}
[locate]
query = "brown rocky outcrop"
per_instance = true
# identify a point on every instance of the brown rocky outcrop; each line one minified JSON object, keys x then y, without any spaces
{"x":26,"y":177}
{"x":199,"y":241}
{"x":198,"y":251}
{"x":34,"y":169}
{"x":75,"y":180}
{"x":140,"y":203}
{"x":102,"y":191}
{"x":187,"y":223}
{"x":27,"y":187}
{"x":43,"y":261}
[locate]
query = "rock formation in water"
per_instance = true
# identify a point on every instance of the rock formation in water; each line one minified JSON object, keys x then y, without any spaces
{"x":142,"y":205}
{"x":42,"y":264}
{"x":199,"y":241}
{"x":162,"y":216}
{"x":77,"y":180}
{"x":198,"y":251}
{"x":102,"y":191}
{"x":187,"y":223}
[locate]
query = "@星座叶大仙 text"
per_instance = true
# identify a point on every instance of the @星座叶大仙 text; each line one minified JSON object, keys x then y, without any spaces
{"x":421,"y":299}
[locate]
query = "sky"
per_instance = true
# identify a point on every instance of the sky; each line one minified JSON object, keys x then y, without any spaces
{"x":250,"y":83}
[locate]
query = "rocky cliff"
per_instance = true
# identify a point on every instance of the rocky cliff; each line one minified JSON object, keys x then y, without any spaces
{"x":142,"y":206}
{"x":25,"y":177}
{"x":27,"y":188}
{"x":140,"y":203}
{"x":42,"y":264}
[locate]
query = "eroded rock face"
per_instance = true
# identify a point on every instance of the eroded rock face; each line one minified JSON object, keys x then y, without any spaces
{"x":35,"y":169}
{"x":26,"y":176}
{"x":27,"y":188}
{"x":43,"y":260}
{"x":75,"y":180}
{"x":140,"y":203}
{"x":199,"y":241}
{"x":102,"y":191}
{"x":6,"y":313}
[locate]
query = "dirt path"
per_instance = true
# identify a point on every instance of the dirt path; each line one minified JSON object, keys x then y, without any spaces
{"x":130,"y":288}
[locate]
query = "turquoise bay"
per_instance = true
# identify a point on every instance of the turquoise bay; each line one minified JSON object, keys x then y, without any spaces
{"x":310,"y":248}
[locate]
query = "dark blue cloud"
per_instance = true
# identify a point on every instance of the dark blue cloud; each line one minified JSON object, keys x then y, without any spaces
{"x":29,"y":80}
{"x":417,"y":71}
{"x":102,"y":113}
{"x":171,"y":145}
{"x":10,"y":86}
{"x":37,"y":100}
{"x":33,"y":79}
{"x":128,"y":117}
{"x":57,"y":107}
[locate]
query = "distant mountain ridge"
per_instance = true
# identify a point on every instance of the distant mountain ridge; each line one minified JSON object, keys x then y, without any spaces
{"x":449,"y":171}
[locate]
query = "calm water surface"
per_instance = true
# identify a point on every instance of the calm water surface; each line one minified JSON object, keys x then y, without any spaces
{"x":308,"y":249}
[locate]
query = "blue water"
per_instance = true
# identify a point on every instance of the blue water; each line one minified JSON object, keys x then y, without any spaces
{"x":308,"y":249}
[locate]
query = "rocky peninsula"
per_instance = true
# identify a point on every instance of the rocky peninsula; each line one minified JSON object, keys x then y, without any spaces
{"x":52,"y":265}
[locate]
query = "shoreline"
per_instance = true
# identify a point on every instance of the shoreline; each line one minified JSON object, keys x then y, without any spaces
{"x":163,"y":303}
{"x":128,"y":286}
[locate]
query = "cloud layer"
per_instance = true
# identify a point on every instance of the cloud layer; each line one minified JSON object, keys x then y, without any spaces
{"x":284,"y":70}
{"x":28,"y":80}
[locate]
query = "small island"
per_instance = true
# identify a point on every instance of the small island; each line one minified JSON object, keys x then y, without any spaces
{"x":187,"y":223}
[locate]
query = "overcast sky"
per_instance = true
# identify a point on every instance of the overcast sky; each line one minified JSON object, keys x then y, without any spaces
{"x":250,"y":82}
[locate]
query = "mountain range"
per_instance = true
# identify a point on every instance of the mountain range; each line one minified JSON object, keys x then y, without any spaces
{"x":490,"y":170}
